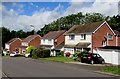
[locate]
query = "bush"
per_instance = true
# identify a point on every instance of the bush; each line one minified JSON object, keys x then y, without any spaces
{"x":40,"y":53}
{"x":35,"y":53}
{"x":78,"y":54}
{"x":29,"y":48}
{"x":46,"y":53}
{"x":62,"y":53}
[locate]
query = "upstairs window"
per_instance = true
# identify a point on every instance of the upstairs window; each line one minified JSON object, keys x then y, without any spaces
{"x":71,"y":37}
{"x":43,"y":40}
{"x":83,"y":36}
{"x":110,"y":37}
{"x":49,"y":41}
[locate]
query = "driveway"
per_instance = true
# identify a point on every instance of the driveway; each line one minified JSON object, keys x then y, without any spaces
{"x":26,"y":67}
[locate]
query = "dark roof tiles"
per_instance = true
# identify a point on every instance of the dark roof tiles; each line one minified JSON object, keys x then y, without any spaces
{"x":90,"y":27}
{"x":10,"y":41}
{"x":29,"y":38}
{"x":53,"y":34}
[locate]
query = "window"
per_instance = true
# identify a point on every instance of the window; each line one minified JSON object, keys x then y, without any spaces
{"x":43,"y":40}
{"x":49,"y":41}
{"x":110,"y":37}
{"x":103,"y":43}
{"x":71,"y":37}
{"x":83,"y":36}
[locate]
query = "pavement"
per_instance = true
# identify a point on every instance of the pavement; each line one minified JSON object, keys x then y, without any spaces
{"x":26,"y":67}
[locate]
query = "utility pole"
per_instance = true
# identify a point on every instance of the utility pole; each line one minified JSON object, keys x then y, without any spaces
{"x":33,"y":27}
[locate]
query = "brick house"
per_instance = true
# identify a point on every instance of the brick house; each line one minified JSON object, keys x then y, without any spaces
{"x":117,"y":36}
{"x":13,"y":45}
{"x":53,"y":40}
{"x":31,"y":40}
{"x":89,"y":37}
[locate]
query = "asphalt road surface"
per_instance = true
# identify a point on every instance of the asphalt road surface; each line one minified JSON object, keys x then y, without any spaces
{"x":26,"y":67}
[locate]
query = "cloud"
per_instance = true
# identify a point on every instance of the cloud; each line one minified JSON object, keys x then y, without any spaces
{"x":34,"y":5}
{"x":98,"y":6}
{"x":12,"y":20}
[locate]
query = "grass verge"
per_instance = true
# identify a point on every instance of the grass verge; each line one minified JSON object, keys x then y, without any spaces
{"x":58,"y":59}
{"x":112,"y":70}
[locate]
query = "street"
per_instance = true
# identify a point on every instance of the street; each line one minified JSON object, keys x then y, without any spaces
{"x":26,"y":67}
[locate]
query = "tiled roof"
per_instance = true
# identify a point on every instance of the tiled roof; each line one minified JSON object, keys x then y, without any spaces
{"x":29,"y":38}
{"x":79,"y":45}
{"x":59,"y":46}
{"x":53,"y":34}
{"x":90,"y":27}
{"x":46,"y":46}
{"x":82,"y":45}
{"x":10,"y":41}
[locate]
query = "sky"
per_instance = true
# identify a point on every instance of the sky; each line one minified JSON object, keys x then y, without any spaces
{"x":20,"y":15}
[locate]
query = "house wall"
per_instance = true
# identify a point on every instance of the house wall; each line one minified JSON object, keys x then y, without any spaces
{"x":46,"y":42}
{"x":118,"y":41}
{"x":77,"y":39}
{"x":99,"y":35}
{"x":7,"y":46}
{"x":35,"y":42}
{"x":59,"y":40}
{"x":15,"y":45}
{"x":70,"y":50}
{"x":24,"y":44}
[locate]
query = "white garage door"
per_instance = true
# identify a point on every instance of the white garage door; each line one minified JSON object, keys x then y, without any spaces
{"x":110,"y":56}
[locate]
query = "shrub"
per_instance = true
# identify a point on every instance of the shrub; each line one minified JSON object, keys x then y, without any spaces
{"x":40,"y":53}
{"x":46,"y":53}
{"x":78,"y":54}
{"x":62,"y":53}
{"x":35,"y":53}
{"x":29,"y":48}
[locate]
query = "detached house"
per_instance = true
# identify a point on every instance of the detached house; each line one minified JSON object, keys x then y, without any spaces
{"x":89,"y":37}
{"x":117,"y":36}
{"x":53,"y":40}
{"x":13,"y":45}
{"x":31,"y":40}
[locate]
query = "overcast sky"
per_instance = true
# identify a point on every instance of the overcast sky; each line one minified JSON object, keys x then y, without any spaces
{"x":20,"y":15}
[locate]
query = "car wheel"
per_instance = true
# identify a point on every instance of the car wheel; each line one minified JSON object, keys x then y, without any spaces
{"x":103,"y":62}
{"x":92,"y":62}
{"x":81,"y":61}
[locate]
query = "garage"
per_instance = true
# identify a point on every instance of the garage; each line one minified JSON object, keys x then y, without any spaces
{"x":111,"y":54}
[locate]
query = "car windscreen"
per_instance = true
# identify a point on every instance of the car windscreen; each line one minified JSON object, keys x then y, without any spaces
{"x":96,"y":55}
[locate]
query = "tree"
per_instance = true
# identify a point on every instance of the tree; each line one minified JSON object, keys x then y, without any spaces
{"x":114,"y":22}
{"x":5,"y":36}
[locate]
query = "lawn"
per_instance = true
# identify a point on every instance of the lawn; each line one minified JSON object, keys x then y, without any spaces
{"x":112,"y":70}
{"x":58,"y":59}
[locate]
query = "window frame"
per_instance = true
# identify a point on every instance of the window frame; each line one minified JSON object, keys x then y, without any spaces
{"x":110,"y":37}
{"x":83,"y":36}
{"x":71,"y":38}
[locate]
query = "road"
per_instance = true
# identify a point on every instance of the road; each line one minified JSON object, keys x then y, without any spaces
{"x":26,"y":67}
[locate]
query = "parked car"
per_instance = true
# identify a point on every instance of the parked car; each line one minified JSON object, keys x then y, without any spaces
{"x":14,"y":54}
{"x":92,"y":58}
{"x":28,"y":54}
{"x":4,"y":53}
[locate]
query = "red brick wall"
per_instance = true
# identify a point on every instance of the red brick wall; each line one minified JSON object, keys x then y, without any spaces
{"x":35,"y":42}
{"x":15,"y":45}
{"x":99,"y":35}
{"x":60,"y":39}
{"x":119,"y":41}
